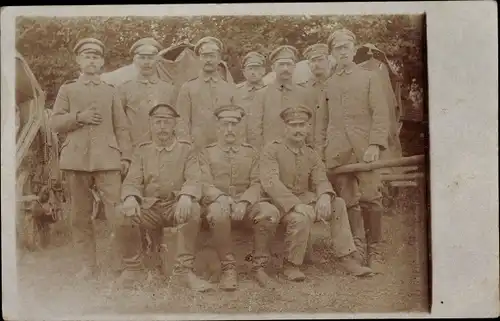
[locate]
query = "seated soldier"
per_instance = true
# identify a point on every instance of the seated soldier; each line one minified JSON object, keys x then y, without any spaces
{"x":163,"y":189}
{"x":294,"y":176}
{"x":232,"y":190}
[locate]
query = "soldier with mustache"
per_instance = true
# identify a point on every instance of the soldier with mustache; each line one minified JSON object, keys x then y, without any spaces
{"x":264,"y":123}
{"x":200,"y":96}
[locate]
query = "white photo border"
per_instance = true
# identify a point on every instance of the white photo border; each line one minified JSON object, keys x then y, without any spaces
{"x":462,"y":74}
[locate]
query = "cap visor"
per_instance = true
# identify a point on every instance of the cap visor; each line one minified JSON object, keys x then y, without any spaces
{"x":341,"y":43}
{"x":296,"y":122}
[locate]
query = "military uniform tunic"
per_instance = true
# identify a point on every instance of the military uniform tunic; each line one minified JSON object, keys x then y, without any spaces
{"x":246,"y":95}
{"x":197,"y":100}
{"x":292,"y":176}
{"x":358,"y":116}
{"x":138,"y":95}
{"x":264,"y":122}
{"x":91,"y":147}
{"x":158,"y":176}
{"x":155,"y":173}
{"x":233,"y":171}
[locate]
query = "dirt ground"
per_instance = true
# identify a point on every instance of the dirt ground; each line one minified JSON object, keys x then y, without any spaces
{"x":48,"y":287}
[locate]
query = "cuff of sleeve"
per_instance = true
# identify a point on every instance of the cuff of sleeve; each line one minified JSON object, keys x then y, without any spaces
{"x":136,"y":195}
{"x":247,"y":198}
{"x":191,"y":191}
{"x":288,"y":206}
{"x":78,"y":123}
{"x":381,"y":143}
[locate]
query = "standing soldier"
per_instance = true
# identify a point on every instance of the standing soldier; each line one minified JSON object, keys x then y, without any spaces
{"x":358,"y":127}
{"x":264,"y":124}
{"x":162,"y":189}
{"x":294,"y":176}
{"x":147,"y":89}
{"x":254,"y":69}
{"x":317,"y":56}
{"x":232,"y":191}
{"x":200,"y":96}
{"x":96,"y":149}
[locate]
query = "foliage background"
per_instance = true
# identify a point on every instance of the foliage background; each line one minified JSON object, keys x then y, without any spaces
{"x":47,"y":42}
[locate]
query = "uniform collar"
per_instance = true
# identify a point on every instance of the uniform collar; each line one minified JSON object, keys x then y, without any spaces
{"x":215,"y":77}
{"x":345,"y":70}
{"x":252,"y":87}
{"x":86,"y":79}
{"x":167,"y":148}
{"x":294,"y":149}
{"x":145,"y":80}
{"x":232,"y":148}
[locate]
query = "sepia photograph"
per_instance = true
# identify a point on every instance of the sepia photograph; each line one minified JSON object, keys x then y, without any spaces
{"x":222,"y":164}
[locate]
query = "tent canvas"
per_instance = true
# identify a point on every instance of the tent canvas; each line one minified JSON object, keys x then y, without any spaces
{"x":177,"y":64}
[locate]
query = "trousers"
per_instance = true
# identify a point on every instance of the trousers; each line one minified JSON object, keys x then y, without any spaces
{"x":263,"y":217}
{"x":361,"y":192}
{"x":154,"y":219}
{"x":108,"y":184}
{"x":342,"y":239}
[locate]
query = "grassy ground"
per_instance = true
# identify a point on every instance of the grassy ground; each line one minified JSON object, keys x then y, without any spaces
{"x":47,"y":285}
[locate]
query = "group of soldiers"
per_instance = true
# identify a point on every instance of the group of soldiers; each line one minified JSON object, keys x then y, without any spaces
{"x":215,"y":152}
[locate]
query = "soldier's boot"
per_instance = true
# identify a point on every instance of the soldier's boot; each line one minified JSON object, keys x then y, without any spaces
{"x":373,"y":219}
{"x":375,"y":259}
{"x":351,"y":265}
{"x":191,"y":281}
{"x":264,"y":226}
{"x":293,"y":273}
{"x":264,"y":280}
{"x":358,"y":232}
{"x":228,"y":279}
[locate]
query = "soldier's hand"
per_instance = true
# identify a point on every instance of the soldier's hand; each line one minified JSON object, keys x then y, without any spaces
{"x":90,"y":116}
{"x":131,"y":207}
{"x":307,"y":210}
{"x":323,"y":207}
{"x":125,"y":165}
{"x":183,"y":209}
{"x":225,"y":203}
{"x":372,"y":154}
{"x":239,"y":211}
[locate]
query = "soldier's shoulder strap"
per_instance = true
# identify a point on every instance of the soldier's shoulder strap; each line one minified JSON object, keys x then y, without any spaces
{"x":146,"y":143}
{"x":240,"y":85}
{"x":193,"y":78}
{"x":303,"y":83}
{"x":107,"y":83}
{"x":71,"y":81}
{"x":211,"y":145}
{"x":183,"y":141}
{"x":248,"y":146}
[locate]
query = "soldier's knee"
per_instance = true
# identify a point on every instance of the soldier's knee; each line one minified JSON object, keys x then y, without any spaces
{"x":299,"y":220}
{"x":268,"y":212}
{"x":215,"y":213}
